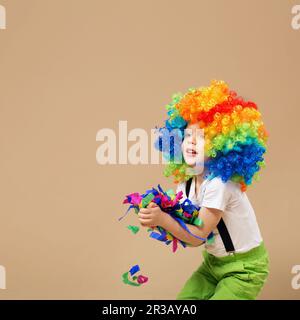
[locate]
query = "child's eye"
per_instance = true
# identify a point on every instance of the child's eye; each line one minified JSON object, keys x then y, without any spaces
{"x":186,"y":135}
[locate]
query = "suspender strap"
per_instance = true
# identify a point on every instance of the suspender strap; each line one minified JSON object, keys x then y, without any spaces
{"x":188,"y":187}
{"x":225,"y":236}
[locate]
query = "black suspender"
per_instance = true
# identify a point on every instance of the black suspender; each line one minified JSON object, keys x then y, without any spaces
{"x":225,"y":236}
{"x":221,"y":225}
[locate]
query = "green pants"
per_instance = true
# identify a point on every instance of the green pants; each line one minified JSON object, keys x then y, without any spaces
{"x":239,"y":276}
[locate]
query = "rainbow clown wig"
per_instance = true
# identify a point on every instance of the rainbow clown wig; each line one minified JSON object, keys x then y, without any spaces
{"x":234,"y":134}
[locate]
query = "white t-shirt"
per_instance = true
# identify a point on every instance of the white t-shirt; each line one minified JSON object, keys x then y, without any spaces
{"x":239,"y":216}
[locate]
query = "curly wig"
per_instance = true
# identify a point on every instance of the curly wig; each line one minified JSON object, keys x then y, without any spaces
{"x":234,"y":133}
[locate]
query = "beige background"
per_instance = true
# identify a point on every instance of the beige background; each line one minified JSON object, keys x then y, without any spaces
{"x":69,"y":68}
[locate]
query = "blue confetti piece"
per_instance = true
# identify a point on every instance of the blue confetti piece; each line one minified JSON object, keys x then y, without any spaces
{"x":134,"y":269}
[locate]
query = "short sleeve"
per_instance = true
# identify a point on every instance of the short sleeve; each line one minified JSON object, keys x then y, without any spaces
{"x":216,"y":194}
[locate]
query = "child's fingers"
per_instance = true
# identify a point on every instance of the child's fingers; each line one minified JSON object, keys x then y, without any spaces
{"x":144,"y":216}
{"x":144,"y":222}
{"x":145,"y":211}
{"x":152,"y":205}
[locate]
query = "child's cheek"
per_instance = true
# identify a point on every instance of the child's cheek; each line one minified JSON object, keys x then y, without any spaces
{"x":200,"y":146}
{"x":183,"y":147}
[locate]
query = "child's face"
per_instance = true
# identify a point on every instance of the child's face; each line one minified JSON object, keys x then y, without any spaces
{"x":193,"y":145}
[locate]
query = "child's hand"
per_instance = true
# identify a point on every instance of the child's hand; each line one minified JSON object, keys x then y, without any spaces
{"x":151,"y":216}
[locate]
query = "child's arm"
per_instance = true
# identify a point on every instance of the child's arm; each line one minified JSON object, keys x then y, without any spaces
{"x":210,"y":218}
{"x":153,"y":216}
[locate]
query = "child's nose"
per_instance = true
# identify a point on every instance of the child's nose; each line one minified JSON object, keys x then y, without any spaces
{"x":193,"y":140}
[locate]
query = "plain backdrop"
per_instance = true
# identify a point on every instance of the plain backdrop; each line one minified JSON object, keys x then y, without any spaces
{"x":69,"y":68}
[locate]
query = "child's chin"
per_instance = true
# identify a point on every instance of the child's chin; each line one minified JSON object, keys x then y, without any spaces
{"x":190,"y":162}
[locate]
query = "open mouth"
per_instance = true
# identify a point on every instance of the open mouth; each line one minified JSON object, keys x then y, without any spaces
{"x":191,"y":152}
